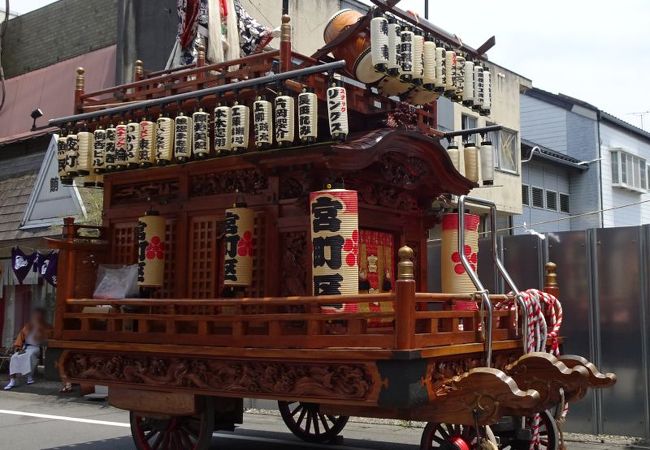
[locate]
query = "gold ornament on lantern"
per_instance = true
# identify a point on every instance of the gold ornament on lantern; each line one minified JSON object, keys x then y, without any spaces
{"x":454,"y":277}
{"x":239,"y":246}
{"x":334,"y":224}
{"x":151,"y":250}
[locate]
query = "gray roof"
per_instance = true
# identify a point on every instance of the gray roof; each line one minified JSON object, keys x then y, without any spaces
{"x":551,"y":156}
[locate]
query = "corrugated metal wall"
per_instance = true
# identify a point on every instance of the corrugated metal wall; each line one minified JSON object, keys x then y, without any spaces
{"x":605,"y":287}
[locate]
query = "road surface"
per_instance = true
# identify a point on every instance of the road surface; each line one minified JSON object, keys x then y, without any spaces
{"x":31,"y":421}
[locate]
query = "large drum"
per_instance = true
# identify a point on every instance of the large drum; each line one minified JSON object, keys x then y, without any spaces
{"x":393,"y":86}
{"x":356,"y":50}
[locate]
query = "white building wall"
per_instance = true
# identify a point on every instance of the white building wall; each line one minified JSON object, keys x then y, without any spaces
{"x":615,"y":137}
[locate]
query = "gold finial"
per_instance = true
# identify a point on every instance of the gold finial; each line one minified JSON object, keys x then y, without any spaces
{"x":285,"y":28}
{"x":551,"y":274}
{"x":201,"y":51}
{"x":405,"y":267}
{"x":80,"y":78}
{"x":139,"y":67}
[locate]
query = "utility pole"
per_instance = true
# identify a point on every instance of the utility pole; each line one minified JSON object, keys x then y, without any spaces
{"x":426,"y":9}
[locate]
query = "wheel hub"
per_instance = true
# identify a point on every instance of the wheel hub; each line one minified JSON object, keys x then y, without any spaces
{"x":458,"y":443}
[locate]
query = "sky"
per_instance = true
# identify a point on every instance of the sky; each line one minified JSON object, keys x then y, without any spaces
{"x":595,"y":50}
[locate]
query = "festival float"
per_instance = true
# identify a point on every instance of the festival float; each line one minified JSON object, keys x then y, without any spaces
{"x":276,"y":207}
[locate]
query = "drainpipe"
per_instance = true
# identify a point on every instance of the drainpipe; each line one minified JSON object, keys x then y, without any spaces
{"x":600,"y":172}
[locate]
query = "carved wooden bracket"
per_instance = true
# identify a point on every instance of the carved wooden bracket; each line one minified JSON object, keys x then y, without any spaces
{"x":595,"y":378}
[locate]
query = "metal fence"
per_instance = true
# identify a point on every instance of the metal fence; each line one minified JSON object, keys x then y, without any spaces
{"x":605,"y":292}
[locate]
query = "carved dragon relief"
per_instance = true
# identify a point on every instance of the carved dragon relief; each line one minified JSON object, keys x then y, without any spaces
{"x":294,"y":263}
{"x":331,"y":381}
{"x":144,"y":192}
{"x":401,"y":170}
{"x":247,"y":181}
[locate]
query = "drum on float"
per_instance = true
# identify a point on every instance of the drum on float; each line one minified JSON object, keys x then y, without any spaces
{"x":357,"y":50}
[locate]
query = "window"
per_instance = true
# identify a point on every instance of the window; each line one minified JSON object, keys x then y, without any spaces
{"x":629,"y":171}
{"x":467,"y":123}
{"x":506,"y":146}
{"x":537,"y":197}
{"x":525,"y":195}
{"x":551,"y":200}
{"x":564,"y":203}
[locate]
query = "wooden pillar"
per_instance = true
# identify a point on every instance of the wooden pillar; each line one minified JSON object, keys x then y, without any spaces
{"x":138,"y":73}
{"x":550,"y":279}
{"x":285,"y":43}
{"x":79,"y":90}
{"x":200,"y":61}
{"x":405,"y":300}
{"x":65,"y":276}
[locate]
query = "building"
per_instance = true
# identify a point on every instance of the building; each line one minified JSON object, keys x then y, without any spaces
{"x":587,"y":170}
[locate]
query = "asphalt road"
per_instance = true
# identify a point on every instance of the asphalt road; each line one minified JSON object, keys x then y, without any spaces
{"x":31,"y":421}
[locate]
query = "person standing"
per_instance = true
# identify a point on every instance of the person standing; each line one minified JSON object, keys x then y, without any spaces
{"x":27,"y":348}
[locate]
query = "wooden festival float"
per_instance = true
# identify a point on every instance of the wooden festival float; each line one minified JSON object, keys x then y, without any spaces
{"x":265,"y":200}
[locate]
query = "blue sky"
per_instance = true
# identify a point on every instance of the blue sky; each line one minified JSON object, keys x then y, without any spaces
{"x":595,"y":50}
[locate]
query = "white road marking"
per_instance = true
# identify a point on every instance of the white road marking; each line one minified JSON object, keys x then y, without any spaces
{"x":222,"y":435}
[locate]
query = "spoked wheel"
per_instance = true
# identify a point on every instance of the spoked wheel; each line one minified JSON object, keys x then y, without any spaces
{"x":447,"y":436}
{"x":306,"y":421}
{"x":549,"y":435}
{"x":174,"y":433}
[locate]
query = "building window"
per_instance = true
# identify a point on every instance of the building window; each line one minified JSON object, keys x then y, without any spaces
{"x":506,"y":146}
{"x":564,"y":203}
{"x":629,"y":171}
{"x":525,"y":197}
{"x":551,"y":200}
{"x":537,"y":197}
{"x":468,"y":122}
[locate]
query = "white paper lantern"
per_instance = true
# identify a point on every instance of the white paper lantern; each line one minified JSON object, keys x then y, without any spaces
{"x":454,"y":277}
{"x":222,"y":130}
{"x":487,"y":163}
{"x":394,"y":48}
{"x":164,"y":141}
{"x":284,"y":120}
{"x":121,"y":158}
{"x":429,"y":78}
{"x":379,"y":43}
{"x":98,"y":162}
{"x":201,"y":136}
{"x":418,"y":57}
{"x":441,"y":69}
{"x":263,"y":123}
{"x":239,"y":230}
{"x":450,"y":71}
{"x":71,"y":155}
{"x":454,"y":155}
{"x":337,"y":106}
{"x":308,"y":117}
{"x":61,"y":154}
{"x":470,"y":155}
{"x":486,"y":103}
{"x":151,"y":250}
{"x":468,"y":84}
{"x":147,"y":154}
{"x":459,"y":79}
{"x":133,"y":144}
{"x":111,"y":149}
{"x":240,"y":120}
{"x":182,"y":138}
{"x":406,"y":54}
{"x":478,"y":87}
{"x":85,"y":142}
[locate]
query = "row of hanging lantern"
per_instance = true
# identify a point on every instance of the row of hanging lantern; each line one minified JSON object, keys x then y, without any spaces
{"x":476,"y":157}
{"x":413,"y":62}
{"x":145,"y":143}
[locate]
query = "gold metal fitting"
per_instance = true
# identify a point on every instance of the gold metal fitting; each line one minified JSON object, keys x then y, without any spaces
{"x":405,"y":267}
{"x":285,"y":28}
{"x":80,"y":78}
{"x":551,"y":274}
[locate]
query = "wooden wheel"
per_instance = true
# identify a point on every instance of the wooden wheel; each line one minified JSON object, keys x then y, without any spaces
{"x":447,"y":436}
{"x":174,"y":433}
{"x":549,"y":436}
{"x":306,"y":421}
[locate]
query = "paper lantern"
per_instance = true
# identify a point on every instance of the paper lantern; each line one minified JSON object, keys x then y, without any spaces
{"x":151,"y":250}
{"x":262,"y":123}
{"x":201,"y":137}
{"x":379,"y":43}
{"x":284,"y":120}
{"x":470,"y":154}
{"x":239,"y":246}
{"x":406,"y":54}
{"x":394,"y":45}
{"x":164,"y":141}
{"x":240,"y":121}
{"x":454,"y":155}
{"x":334,"y":224}
{"x":121,"y":160}
{"x":418,"y":57}
{"x":222,"y":130}
{"x":450,"y":71}
{"x":454,"y":277}
{"x":182,"y":138}
{"x":478,"y":87}
{"x":71,"y":155}
{"x":459,"y":79}
{"x":337,"y":106}
{"x":98,"y":162}
{"x":110,"y":157}
{"x":486,"y":99}
{"x":468,"y":84}
{"x":487,"y":162}
{"x":429,"y":79}
{"x":85,"y":142}
{"x":307,"y":117}
{"x":441,"y":69}
{"x":61,"y":156}
{"x":133,"y":144}
{"x":147,"y":154}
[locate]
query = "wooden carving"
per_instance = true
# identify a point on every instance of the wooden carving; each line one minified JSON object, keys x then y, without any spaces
{"x":595,"y":378}
{"x":247,"y":181}
{"x":548,"y":376}
{"x":403,"y":171}
{"x":310,"y":380}
{"x":163,"y":190}
{"x":444,"y":368}
{"x":386,"y":196}
{"x":489,"y":392}
{"x":294,"y":263}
